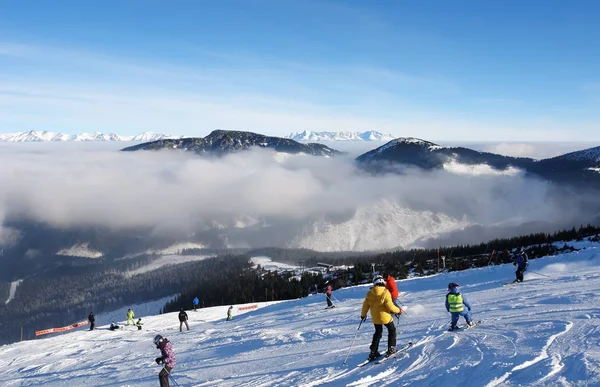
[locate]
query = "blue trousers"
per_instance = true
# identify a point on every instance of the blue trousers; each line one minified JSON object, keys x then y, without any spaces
{"x":465,"y":313}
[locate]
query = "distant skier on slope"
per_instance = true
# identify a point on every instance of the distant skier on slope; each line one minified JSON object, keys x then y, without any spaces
{"x":130,"y":317}
{"x":183,"y":317}
{"x":230,"y":313}
{"x":455,"y":304}
{"x":379,"y":301}
{"x":114,"y":326}
{"x":390,"y":285}
{"x":196,"y":302}
{"x":92,"y":320}
{"x":328,"y":295}
{"x":522,"y":263}
{"x":139,"y":324}
{"x":167,"y":358}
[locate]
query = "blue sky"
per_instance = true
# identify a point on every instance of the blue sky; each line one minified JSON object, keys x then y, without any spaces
{"x":439,"y":70}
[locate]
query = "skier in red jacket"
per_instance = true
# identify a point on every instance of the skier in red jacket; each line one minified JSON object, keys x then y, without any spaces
{"x":390,"y":285}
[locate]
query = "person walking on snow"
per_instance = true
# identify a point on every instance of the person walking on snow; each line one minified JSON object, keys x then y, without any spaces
{"x":230,"y":313}
{"x":130,"y":317}
{"x":196,"y":302}
{"x":328,"y":295}
{"x":379,"y":301}
{"x":522,"y":263}
{"x":92,"y":320}
{"x":390,"y":285}
{"x":183,"y":317}
{"x":456,"y":304}
{"x":167,"y":358}
{"x":139,"y":324}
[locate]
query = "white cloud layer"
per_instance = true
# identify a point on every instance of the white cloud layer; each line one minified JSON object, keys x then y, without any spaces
{"x":71,"y":185}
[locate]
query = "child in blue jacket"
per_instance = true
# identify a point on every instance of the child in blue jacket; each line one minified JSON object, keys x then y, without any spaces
{"x":458,"y":305}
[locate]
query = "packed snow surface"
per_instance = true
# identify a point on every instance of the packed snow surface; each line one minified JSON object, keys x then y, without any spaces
{"x":543,"y":332}
{"x":13,"y":290}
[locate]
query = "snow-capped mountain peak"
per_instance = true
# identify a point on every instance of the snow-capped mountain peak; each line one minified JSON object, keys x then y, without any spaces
{"x":370,"y":135}
{"x":41,"y":136}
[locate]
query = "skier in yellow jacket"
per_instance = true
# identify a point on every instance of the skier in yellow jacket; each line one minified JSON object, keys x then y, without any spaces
{"x":380,"y":302}
{"x":130,"y":317}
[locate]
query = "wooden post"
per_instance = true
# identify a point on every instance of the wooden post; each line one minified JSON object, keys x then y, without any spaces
{"x":438,"y":260}
{"x":491,"y":256}
{"x":21,"y":332}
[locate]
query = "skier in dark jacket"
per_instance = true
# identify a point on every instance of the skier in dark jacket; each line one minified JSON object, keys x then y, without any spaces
{"x":522,"y":263}
{"x":183,"y":317}
{"x":167,"y":358}
{"x":92,"y":320}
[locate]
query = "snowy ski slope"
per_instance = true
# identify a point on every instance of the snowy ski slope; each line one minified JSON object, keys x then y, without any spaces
{"x":543,"y":332}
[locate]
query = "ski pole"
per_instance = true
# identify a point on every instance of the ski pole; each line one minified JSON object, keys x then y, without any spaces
{"x":351,"y":346}
{"x":535,"y":272}
{"x":173,"y":380}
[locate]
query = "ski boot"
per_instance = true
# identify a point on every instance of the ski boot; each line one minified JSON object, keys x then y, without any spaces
{"x":374,"y":355}
{"x":452,"y":328}
{"x":390,"y":351}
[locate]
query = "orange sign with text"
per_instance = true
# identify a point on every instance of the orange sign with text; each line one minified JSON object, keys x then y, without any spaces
{"x":52,"y":330}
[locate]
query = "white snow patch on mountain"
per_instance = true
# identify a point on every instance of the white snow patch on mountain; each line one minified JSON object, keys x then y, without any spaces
{"x":80,"y":250}
{"x":479,"y":169}
{"x":13,"y":290}
{"x":43,"y":136}
{"x":543,"y":332}
{"x":308,"y":136}
{"x":408,"y":140}
{"x":165,"y":261}
{"x":268,"y":264}
{"x":379,"y":226}
{"x":595,"y":169}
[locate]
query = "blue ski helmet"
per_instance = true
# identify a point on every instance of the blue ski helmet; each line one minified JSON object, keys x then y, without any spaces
{"x":157,"y":339}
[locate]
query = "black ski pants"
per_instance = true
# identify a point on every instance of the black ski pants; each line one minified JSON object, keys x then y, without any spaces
{"x":519,"y":272}
{"x":163,"y":376}
{"x":329,"y":303}
{"x":379,"y":332}
{"x":92,"y":325}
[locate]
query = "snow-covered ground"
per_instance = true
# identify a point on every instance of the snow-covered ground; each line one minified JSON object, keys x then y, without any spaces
{"x":543,"y":332}
{"x":13,"y":290}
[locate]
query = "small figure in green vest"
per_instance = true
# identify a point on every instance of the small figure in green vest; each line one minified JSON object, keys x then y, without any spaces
{"x":458,"y":305}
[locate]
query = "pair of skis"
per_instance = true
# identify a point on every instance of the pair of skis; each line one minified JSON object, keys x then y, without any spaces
{"x":383,"y":358}
{"x":463,"y":327}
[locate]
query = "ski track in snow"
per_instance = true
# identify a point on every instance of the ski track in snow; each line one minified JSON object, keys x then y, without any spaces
{"x":13,"y":290}
{"x":543,"y":332}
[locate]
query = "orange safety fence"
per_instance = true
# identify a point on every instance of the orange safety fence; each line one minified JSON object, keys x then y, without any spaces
{"x":247,"y":307}
{"x":52,"y":330}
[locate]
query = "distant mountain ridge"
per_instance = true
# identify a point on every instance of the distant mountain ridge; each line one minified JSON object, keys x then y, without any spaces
{"x":43,"y":136}
{"x":580,"y":166}
{"x":371,"y":135}
{"x":221,"y":142}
